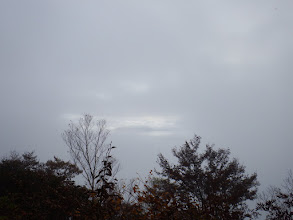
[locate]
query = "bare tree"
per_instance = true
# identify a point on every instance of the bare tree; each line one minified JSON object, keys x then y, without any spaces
{"x":89,"y":149}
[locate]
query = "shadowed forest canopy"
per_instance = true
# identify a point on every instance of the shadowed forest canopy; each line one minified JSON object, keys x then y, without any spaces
{"x":207,"y":185}
{"x":30,"y":189}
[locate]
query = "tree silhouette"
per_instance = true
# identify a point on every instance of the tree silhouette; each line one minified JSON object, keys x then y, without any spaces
{"x":89,"y":149}
{"x":216,"y":183}
{"x":278,"y":202}
{"x":33,"y":190}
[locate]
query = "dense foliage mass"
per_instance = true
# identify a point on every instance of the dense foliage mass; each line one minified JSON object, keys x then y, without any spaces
{"x":33,"y":190}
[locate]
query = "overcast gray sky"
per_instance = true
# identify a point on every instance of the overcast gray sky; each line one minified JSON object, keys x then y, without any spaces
{"x":157,"y":71}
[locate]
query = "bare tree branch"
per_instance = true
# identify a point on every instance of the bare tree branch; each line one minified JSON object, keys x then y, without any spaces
{"x":88,"y":147}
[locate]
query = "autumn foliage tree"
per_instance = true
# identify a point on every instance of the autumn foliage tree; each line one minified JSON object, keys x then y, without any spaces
{"x":217,"y":184}
{"x":202,"y":186}
{"x":154,"y":201}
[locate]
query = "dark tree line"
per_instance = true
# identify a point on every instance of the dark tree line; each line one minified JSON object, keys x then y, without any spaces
{"x":33,"y":190}
{"x":30,"y":189}
{"x":202,"y":185}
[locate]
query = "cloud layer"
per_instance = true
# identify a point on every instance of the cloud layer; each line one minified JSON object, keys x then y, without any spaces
{"x":158,"y":72}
